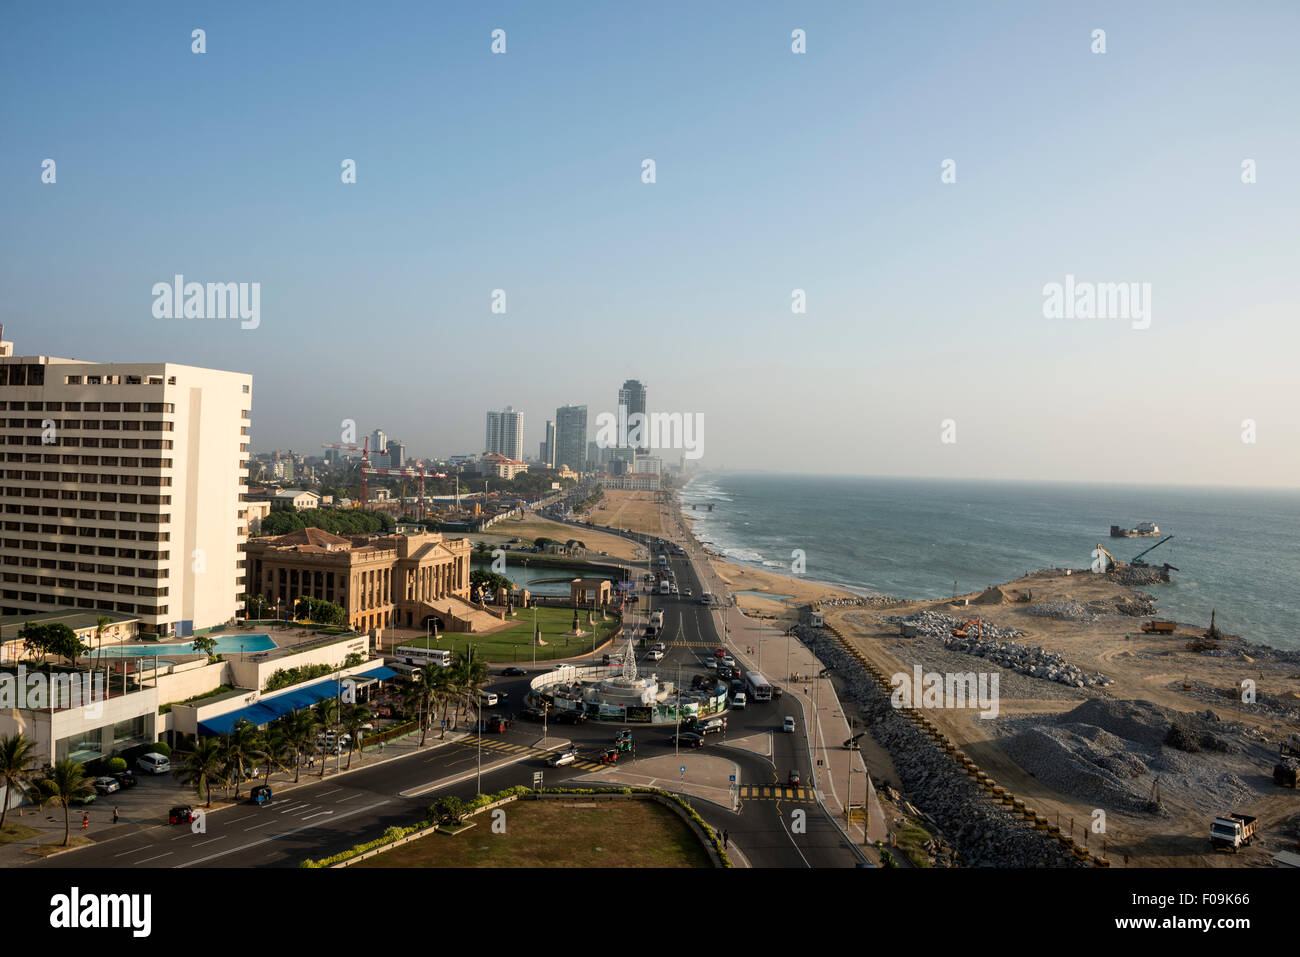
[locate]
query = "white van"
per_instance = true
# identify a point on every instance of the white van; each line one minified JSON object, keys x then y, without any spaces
{"x":738,"y":700}
{"x":154,"y":763}
{"x":488,"y":698}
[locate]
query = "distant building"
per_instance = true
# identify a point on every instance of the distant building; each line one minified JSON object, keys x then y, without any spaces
{"x":500,"y":466}
{"x":296,"y":497}
{"x":632,"y":395}
{"x":633,"y":482}
{"x":548,"y":445}
{"x":396,"y":455}
{"x":571,"y":437}
{"x":505,"y":433}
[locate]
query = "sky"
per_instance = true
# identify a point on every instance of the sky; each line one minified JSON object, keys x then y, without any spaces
{"x":775,"y":171}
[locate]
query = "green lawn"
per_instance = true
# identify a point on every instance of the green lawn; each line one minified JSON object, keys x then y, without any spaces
{"x":515,"y":642}
{"x":564,"y":832}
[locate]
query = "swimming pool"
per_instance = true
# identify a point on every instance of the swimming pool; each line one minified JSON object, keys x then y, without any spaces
{"x":226,"y":644}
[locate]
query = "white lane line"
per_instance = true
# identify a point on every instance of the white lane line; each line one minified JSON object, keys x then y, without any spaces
{"x":158,"y":858}
{"x":263,"y":824}
{"x":137,"y":850}
{"x":330,"y":791}
{"x":274,"y":837}
{"x":317,"y":814}
{"x":350,"y":797}
{"x":201,"y":843}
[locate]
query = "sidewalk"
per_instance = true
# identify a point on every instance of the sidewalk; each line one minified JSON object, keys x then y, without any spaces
{"x":146,"y":805}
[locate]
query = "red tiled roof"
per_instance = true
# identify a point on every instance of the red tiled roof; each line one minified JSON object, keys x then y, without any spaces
{"x":310,"y":536}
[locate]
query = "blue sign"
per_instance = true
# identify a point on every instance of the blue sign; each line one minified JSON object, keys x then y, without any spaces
{"x":733,"y":779}
{"x":683,"y":769}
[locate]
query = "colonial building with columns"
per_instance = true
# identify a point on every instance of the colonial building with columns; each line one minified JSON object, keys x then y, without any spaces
{"x":380,"y":582}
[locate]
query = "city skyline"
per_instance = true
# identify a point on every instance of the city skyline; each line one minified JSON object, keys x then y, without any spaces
{"x":872,"y":225}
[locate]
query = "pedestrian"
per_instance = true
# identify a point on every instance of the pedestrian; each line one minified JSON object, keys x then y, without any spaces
{"x":726,"y":840}
{"x":115,"y":816}
{"x":85,"y":821}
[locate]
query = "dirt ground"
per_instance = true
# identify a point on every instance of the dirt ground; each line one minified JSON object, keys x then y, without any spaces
{"x":632,"y":511}
{"x":531,"y":527}
{"x":1155,"y":668}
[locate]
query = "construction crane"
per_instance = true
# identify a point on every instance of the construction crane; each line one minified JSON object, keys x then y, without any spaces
{"x":1137,"y":559}
{"x":409,"y":472}
{"x":364,"y":449}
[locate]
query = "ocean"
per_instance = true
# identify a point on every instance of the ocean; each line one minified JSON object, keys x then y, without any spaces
{"x":1237,"y":550}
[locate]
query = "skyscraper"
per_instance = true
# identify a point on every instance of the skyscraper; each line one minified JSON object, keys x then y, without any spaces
{"x":571,"y":437}
{"x":153,"y":455}
{"x":505,"y":433}
{"x":632,"y":395}
{"x":548,"y":445}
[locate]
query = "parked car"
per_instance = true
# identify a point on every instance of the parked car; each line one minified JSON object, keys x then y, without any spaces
{"x":107,"y":785}
{"x":788,"y":724}
{"x":514,"y":671}
{"x":126,"y":778}
{"x":154,"y":763}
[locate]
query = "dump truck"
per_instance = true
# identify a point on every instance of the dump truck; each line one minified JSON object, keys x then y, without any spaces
{"x":1158,"y":627}
{"x":1286,"y":773}
{"x":1231,"y":831}
{"x":1291,"y":746}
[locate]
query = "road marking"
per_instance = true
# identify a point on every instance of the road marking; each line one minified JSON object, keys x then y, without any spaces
{"x":158,"y":858}
{"x":137,"y":850}
{"x":273,"y":837}
{"x":330,"y":791}
{"x":263,"y":824}
{"x":317,"y":814}
{"x":201,"y":843}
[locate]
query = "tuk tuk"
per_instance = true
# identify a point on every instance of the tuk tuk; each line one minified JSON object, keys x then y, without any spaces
{"x":624,"y":735}
{"x":625,"y":745}
{"x":181,"y":814}
{"x":610,"y":756}
{"x":260,"y":795}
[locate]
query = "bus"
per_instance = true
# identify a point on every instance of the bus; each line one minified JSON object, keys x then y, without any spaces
{"x":657,"y":619}
{"x":759,"y":687}
{"x":415,"y":655}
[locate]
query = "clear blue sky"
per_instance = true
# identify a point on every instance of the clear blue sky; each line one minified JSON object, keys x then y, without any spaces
{"x":775,"y":172}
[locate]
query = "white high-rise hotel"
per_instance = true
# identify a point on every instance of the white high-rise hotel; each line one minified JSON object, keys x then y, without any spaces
{"x":122,"y":489}
{"x":505,"y":433}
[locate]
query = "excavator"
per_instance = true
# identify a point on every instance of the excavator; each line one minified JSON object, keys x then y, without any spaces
{"x":1137,"y":562}
{"x":1137,"y":559}
{"x":960,"y":632}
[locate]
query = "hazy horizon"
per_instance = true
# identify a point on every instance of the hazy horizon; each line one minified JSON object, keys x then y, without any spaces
{"x":775,"y":171}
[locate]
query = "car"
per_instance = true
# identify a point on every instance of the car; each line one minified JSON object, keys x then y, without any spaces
{"x":180,"y":814}
{"x":788,"y":724}
{"x":711,"y":664}
{"x":727,"y":660}
{"x":719,"y":652}
{"x":738,"y":701}
{"x":107,"y":785}
{"x":514,"y":671}
{"x":688,"y":593}
{"x":154,"y":763}
{"x":126,"y":778}
{"x":655,"y":654}
{"x":687,"y":739}
{"x":569,"y":717}
{"x":562,"y":757}
{"x":708,"y":726}
{"x":793,"y":779}
{"x":531,"y":714}
{"x":659,"y":646}
{"x":725,"y":673}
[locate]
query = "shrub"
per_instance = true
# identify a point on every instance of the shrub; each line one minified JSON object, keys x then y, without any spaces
{"x":160,"y":747}
{"x":116,"y":765}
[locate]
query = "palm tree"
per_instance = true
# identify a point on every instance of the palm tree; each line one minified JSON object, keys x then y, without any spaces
{"x":413,"y":701}
{"x":276,"y":748}
{"x":354,"y":716}
{"x":242,"y":746}
{"x":204,"y":764}
{"x":67,"y":782}
{"x":326,"y":716}
{"x":16,"y":760}
{"x":102,"y":622}
{"x":299,"y":731}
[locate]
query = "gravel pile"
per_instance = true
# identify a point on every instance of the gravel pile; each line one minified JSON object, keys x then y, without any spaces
{"x":935,"y":624}
{"x":1141,"y":606}
{"x":1062,"y":611}
{"x":1034,"y":662}
{"x":1129,"y":575}
{"x":862,"y":601}
{"x":1074,"y":761}
{"x":982,"y":833}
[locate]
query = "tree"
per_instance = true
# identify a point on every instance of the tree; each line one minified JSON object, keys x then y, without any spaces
{"x":299,"y":731}
{"x":479,"y":578}
{"x":17,"y":759}
{"x":254,"y":606}
{"x":277,"y":749}
{"x":65,"y":643}
{"x":205,"y":645}
{"x":202,"y":765}
{"x":67,"y":782}
{"x":354,"y":716}
{"x":241,"y":747}
{"x":326,"y":716}
{"x":36,"y":640}
{"x":102,"y":622}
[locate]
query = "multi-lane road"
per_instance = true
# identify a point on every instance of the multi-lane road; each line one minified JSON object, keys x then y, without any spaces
{"x":774,"y":826}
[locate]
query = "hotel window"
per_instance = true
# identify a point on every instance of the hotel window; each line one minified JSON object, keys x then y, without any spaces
{"x":72,"y":380}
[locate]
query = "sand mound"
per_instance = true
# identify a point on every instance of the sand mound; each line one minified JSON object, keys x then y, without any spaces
{"x":993,"y":596}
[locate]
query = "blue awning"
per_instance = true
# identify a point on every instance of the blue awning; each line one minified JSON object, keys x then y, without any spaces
{"x":268,"y":709}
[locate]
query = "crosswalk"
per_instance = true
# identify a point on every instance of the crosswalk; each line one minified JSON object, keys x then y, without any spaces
{"x":776,"y":792}
{"x":509,"y":747}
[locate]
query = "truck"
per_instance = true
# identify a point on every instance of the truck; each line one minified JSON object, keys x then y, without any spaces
{"x":1158,"y":627}
{"x":1232,"y":831}
{"x":1291,"y":746}
{"x":1286,"y":773}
